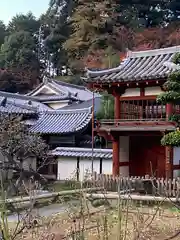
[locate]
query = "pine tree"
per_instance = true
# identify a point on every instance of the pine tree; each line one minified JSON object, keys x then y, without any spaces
{"x":95,"y":26}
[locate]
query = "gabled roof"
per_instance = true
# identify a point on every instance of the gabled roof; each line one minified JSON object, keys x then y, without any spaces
{"x":63,"y":89}
{"x":82,"y":152}
{"x":62,"y":121}
{"x":143,"y":65}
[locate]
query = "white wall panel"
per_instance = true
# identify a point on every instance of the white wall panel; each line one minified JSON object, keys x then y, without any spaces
{"x":176,"y":155}
{"x":124,"y":149}
{"x":66,"y":168}
{"x":131,"y":92}
{"x":107,"y":166}
{"x":153,"y":91}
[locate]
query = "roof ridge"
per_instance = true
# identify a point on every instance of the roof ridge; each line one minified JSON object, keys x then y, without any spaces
{"x":83,"y":149}
{"x":68,"y":84}
{"x":153,"y":52}
{"x":17,"y":95}
{"x":68,"y":111}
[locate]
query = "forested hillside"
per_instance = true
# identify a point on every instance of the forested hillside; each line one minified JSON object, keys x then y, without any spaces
{"x":73,"y":34}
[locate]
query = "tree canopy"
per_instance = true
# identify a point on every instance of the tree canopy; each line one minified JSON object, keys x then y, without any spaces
{"x":74,"y":34}
{"x":18,"y":54}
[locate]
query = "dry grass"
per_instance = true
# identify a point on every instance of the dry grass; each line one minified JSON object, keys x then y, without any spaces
{"x":142,"y":223}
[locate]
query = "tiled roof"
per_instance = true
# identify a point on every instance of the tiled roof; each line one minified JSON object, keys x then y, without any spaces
{"x":143,"y":65}
{"x":7,"y":106}
{"x":46,"y":98}
{"x":82,"y":152}
{"x":66,"y":89}
{"x":85,"y":104}
{"x":62,"y":121}
{"x":23,"y":101}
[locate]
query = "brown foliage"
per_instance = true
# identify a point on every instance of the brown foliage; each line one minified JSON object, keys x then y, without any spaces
{"x":20,"y":80}
{"x":157,"y":38}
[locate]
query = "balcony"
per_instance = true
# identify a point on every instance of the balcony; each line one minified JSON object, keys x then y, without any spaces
{"x":139,"y":112}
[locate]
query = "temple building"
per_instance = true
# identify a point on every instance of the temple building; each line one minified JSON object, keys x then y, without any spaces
{"x":57,"y":94}
{"x":139,"y":121}
{"x":67,"y":130}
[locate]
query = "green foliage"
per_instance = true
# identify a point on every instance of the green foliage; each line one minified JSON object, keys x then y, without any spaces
{"x":18,"y":53}
{"x":171,"y":139}
{"x":107,"y":108}
{"x":172,"y":95}
{"x":3,"y":32}
{"x":19,"y":50}
{"x":111,"y":58}
{"x":21,"y":22}
{"x":175,"y":118}
{"x":95,"y":27}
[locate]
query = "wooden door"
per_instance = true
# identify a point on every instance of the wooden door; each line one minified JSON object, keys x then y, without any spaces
{"x":147,"y":157}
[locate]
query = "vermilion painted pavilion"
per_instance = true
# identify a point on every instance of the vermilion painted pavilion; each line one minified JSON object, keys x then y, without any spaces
{"x":139,"y":121}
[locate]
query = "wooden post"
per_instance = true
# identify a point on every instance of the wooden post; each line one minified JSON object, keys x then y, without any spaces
{"x":169,"y":110}
{"x":168,"y":163}
{"x":78,"y":170}
{"x":117,"y":107}
{"x":168,"y":149}
{"x":115,"y":144}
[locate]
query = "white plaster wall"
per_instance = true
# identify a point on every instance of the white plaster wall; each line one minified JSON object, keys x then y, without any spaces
{"x":124,"y":148}
{"x":107,"y":166}
{"x":66,"y":168}
{"x":152,"y":91}
{"x":131,"y":92}
{"x":85,"y":167}
{"x":176,"y":155}
{"x":57,"y":105}
{"x":124,"y":154}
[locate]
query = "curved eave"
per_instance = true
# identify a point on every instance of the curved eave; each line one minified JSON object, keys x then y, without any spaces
{"x":63,"y":122}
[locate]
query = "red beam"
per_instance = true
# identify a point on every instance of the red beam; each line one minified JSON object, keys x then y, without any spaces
{"x":150,"y":97}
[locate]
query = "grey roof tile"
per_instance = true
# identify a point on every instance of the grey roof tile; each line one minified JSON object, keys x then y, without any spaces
{"x":24,"y":101}
{"x":85,"y":104}
{"x":82,"y":152}
{"x":143,"y":65}
{"x":49,"y":98}
{"x":62,"y":121}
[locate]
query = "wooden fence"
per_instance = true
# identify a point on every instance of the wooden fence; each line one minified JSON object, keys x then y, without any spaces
{"x":141,"y":185}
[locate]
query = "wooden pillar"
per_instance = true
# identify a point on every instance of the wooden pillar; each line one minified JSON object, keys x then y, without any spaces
{"x":169,"y":161}
{"x":77,"y":170}
{"x":115,"y":144}
{"x":116,"y":107}
{"x":169,"y":110}
{"x":169,"y":149}
{"x":100,"y":166}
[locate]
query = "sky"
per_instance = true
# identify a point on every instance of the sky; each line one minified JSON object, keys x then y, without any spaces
{"x":9,"y":8}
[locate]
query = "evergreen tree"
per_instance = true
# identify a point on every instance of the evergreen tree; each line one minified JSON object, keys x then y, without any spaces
{"x":95,"y":26}
{"x":19,"y":56}
{"x":56,"y":31}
